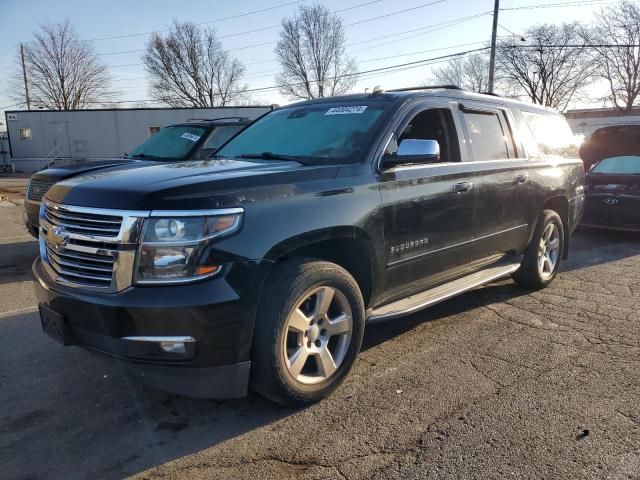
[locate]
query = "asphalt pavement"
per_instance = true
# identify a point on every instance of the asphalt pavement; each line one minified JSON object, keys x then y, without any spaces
{"x":498,"y":383}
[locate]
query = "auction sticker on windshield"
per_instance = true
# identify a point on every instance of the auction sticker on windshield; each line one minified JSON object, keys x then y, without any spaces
{"x":346,"y":110}
{"x":190,"y":136}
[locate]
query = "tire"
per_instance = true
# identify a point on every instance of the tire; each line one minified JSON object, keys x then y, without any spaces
{"x":535,"y":272}
{"x":289,"y":366}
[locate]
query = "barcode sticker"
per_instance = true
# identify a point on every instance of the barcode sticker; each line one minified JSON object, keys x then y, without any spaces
{"x":190,"y":136}
{"x":347,"y":110}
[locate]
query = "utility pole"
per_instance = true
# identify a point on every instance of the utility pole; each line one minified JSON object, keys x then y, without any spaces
{"x":24,"y":74}
{"x":494,"y":32}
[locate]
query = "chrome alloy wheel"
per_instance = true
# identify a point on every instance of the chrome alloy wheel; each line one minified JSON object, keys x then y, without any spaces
{"x":317,"y":335}
{"x":549,"y":251}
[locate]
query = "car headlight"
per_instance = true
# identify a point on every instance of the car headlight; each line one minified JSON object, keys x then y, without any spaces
{"x":176,"y":249}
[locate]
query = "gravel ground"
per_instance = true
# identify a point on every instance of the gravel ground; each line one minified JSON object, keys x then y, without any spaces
{"x":500,"y":382}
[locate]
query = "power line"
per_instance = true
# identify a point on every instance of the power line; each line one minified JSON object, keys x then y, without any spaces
{"x":392,"y":68}
{"x":271,"y":27}
{"x":14,"y":105}
{"x":201,"y":23}
{"x":577,"y":45}
{"x":380,"y":69}
{"x":369,"y":60}
{"x":428,"y":28}
{"x":334,"y":12}
{"x":555,"y":5}
{"x":390,"y":14}
{"x":507,"y":30}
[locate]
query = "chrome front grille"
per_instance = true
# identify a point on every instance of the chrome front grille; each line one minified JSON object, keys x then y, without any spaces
{"x":94,"y":270}
{"x":84,"y":222}
{"x":89,"y":248}
{"x":38,"y":187}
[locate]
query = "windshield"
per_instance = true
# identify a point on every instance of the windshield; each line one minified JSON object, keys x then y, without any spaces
{"x":312,"y":132}
{"x":170,"y":143}
{"x":626,"y":165}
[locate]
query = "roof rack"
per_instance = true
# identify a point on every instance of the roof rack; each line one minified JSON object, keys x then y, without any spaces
{"x":426,"y":87}
{"x":239,"y":119}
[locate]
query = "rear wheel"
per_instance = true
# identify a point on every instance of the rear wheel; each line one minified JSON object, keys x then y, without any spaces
{"x":308,"y":332}
{"x":542,"y":258}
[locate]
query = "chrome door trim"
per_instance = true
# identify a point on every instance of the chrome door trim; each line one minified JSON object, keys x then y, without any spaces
{"x":484,"y":237}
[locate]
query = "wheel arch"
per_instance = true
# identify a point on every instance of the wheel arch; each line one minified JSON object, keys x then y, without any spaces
{"x":349,"y":247}
{"x":560,"y":204}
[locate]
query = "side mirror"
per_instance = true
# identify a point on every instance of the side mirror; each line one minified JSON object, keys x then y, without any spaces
{"x":414,"y":151}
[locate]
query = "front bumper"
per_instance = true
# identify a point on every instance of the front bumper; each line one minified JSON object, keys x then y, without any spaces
{"x":612,"y":211}
{"x":31,"y":216}
{"x":216,"y":315}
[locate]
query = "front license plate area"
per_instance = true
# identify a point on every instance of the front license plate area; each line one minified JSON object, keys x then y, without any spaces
{"x":54,"y":324}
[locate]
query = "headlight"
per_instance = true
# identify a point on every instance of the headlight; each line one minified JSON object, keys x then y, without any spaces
{"x":175,"y":249}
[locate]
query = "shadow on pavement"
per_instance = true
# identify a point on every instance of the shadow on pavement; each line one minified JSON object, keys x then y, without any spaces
{"x":16,"y":259}
{"x":68,"y":414}
{"x":493,"y":293}
{"x":590,"y":247}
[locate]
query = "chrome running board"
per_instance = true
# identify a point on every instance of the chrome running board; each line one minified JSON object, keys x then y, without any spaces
{"x":439,"y":294}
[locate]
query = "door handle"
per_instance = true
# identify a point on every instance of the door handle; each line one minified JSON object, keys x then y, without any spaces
{"x":462,"y":187}
{"x":521,"y":178}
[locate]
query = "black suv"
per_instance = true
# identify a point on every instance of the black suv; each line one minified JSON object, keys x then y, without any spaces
{"x":183,"y":141}
{"x":261,"y":267}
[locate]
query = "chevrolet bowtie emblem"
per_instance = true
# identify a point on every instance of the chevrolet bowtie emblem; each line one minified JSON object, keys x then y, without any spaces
{"x":58,"y":237}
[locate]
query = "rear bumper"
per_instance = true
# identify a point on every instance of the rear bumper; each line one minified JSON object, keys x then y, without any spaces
{"x":214,"y":314}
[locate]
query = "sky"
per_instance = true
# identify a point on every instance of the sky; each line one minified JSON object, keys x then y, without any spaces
{"x":118,"y":31}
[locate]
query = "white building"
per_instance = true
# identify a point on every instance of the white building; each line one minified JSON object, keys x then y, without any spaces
{"x":586,"y":121}
{"x":36,"y":137}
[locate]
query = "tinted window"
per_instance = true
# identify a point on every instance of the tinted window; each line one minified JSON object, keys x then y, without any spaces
{"x":618,"y":165}
{"x":170,"y":143}
{"x":552,"y":134}
{"x":316,"y":132}
{"x":489,"y":140}
{"x":219,"y":136}
{"x":432,"y":124}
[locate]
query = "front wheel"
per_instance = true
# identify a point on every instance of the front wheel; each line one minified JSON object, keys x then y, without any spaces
{"x":542,"y":257}
{"x":308,"y":332}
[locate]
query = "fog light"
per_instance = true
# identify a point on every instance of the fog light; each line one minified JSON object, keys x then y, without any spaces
{"x":173,"y":347}
{"x":150,"y":346}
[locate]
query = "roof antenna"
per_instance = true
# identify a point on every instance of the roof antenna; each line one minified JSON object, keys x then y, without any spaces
{"x":377,"y":90}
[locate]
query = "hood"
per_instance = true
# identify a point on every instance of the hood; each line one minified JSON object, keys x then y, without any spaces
{"x":66,"y":170}
{"x":196,"y":184}
{"x":611,"y":143}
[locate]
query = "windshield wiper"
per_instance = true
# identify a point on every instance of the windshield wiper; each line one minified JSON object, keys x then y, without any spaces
{"x":141,"y":155}
{"x":274,"y":156}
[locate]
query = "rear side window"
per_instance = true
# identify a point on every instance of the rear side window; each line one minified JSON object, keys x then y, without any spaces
{"x":552,"y":135}
{"x":489,"y":136}
{"x":221,"y":135}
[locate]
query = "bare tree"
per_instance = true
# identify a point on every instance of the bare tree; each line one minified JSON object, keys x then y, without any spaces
{"x":189,"y":68}
{"x":469,"y":73}
{"x":63,"y":71}
{"x":616,"y":36}
{"x":553,"y":68}
{"x":311,"y":51}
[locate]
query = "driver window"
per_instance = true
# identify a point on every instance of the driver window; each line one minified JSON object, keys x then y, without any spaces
{"x":432,"y":124}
